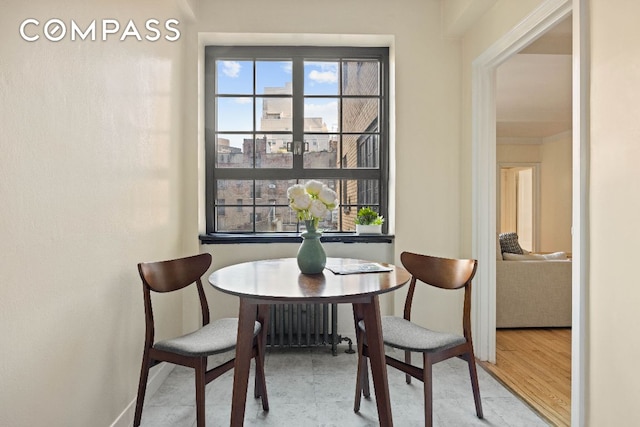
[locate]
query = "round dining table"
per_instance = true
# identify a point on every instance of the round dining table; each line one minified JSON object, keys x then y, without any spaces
{"x":261,"y":283}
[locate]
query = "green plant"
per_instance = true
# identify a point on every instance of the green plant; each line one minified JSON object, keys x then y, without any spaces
{"x":367,"y":216}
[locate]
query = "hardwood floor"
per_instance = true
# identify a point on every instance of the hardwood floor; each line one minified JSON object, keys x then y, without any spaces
{"x":536,"y":365}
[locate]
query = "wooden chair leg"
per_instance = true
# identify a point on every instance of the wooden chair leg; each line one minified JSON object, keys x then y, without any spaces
{"x":359,"y":374}
{"x":261,"y":343}
{"x":362,"y":377}
{"x":428,"y":391}
{"x":473,"y":373}
{"x":261,"y":383}
{"x":257,"y":385}
{"x":407,"y":360}
{"x":142,"y":388}
{"x":200,"y":370}
{"x":364,"y":384}
{"x":366,"y":392}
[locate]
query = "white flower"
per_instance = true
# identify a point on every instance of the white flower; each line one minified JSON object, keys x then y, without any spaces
{"x":301,"y":203}
{"x":314,"y":187}
{"x":295,"y":191}
{"x":318,"y":209}
{"x":328,"y":197}
{"x":313,"y":201}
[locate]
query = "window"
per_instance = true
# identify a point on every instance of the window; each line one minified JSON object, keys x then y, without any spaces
{"x":277,"y":116}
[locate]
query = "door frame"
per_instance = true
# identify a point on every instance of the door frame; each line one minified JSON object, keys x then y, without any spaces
{"x":484,"y":67}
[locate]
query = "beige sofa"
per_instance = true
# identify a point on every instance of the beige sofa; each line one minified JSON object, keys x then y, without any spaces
{"x":533,"y":293}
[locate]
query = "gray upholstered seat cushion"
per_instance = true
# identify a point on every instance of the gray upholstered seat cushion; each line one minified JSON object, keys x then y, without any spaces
{"x":404,"y":335}
{"x":216,"y":337}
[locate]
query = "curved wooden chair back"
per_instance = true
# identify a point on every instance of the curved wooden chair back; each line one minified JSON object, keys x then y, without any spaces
{"x":168,"y":276}
{"x":443,"y":273}
{"x":172,"y":275}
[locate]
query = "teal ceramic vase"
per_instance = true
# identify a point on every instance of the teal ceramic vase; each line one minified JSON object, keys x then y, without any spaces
{"x":311,"y":255}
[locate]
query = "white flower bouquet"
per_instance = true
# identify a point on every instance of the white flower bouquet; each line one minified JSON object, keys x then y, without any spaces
{"x":312,"y":201}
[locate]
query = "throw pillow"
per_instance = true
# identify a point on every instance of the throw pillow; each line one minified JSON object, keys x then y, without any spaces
{"x":509,"y":243}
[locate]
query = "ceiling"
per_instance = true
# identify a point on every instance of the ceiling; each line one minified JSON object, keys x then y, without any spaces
{"x":533,"y":99}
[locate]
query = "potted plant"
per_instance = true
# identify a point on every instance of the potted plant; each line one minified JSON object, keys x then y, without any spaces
{"x":368,"y":221}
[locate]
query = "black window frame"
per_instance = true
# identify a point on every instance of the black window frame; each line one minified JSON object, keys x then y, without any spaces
{"x":297,"y":54}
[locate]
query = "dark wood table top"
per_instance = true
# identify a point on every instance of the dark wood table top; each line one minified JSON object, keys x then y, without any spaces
{"x":280,"y":279}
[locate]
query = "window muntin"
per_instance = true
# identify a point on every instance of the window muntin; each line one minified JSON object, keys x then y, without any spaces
{"x":278,"y":116}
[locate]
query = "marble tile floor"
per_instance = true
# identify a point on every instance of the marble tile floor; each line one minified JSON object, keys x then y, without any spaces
{"x":311,"y":387}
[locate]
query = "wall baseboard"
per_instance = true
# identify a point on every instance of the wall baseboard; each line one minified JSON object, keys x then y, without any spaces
{"x":157,"y":375}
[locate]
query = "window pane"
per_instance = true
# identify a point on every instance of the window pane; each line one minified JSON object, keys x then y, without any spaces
{"x":272,"y":151}
{"x":315,"y":142}
{"x":234,"y":77}
{"x":273,"y":77}
{"x":361,"y":151}
{"x":369,"y":193}
{"x":321,"y":151}
{"x":348,"y":204}
{"x":320,"y":78}
{"x":321,"y":115}
{"x":360,"y":78}
{"x":331,"y":223}
{"x":233,"y":190}
{"x":234,"y":114}
{"x":229,"y":151}
{"x":235,"y":219}
{"x":272,"y":192}
{"x":275,"y":219}
{"x":359,"y":114}
{"x":274,"y":114}
{"x":354,"y":194}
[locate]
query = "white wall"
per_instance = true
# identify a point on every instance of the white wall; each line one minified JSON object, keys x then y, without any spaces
{"x":90,"y":178}
{"x":555,"y":182}
{"x":614,"y":295}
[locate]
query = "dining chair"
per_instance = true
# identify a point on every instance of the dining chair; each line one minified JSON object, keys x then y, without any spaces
{"x":402,"y":334}
{"x":191,"y":349}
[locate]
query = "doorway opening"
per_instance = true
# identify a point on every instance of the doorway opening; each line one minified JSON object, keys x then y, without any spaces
{"x":519,"y":202}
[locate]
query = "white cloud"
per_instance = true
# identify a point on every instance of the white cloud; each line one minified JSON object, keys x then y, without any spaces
{"x":323,"y":76}
{"x":231,"y":68}
{"x":327,"y":110}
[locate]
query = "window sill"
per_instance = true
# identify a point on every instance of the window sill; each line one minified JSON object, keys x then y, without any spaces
{"x":235,"y":238}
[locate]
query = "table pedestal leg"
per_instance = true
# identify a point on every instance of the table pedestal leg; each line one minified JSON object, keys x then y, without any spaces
{"x":373,"y":326}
